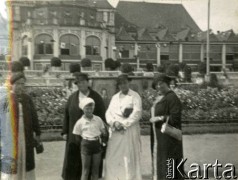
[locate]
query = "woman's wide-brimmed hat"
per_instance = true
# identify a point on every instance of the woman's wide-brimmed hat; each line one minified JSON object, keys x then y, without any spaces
{"x":78,"y":76}
{"x":122,"y":78}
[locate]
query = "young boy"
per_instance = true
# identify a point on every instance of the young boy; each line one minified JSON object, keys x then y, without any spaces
{"x":89,"y":127}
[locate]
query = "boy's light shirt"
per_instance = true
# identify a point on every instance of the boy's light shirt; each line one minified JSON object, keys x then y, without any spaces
{"x":89,"y":128}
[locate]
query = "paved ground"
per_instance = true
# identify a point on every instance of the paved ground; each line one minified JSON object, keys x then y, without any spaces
{"x":197,"y":149}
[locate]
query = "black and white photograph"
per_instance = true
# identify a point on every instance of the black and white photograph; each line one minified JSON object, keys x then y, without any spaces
{"x":118,"y":89}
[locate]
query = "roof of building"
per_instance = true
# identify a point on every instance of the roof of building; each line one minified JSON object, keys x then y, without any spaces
{"x":148,"y":15}
{"x":122,"y":35}
{"x":100,"y":4}
{"x":228,"y":35}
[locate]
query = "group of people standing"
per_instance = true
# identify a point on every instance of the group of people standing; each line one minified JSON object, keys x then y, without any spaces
{"x":100,"y":142}
{"x":106,"y":143}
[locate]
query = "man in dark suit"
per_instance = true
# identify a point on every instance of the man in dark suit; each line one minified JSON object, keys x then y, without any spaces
{"x":72,"y":168}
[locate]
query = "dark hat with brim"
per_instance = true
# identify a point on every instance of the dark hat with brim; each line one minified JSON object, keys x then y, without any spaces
{"x":78,"y":76}
{"x":161,"y":78}
{"x":122,"y":78}
{"x":17,"y":76}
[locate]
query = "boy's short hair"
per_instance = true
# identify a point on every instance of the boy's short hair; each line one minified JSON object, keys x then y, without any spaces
{"x":85,"y":101}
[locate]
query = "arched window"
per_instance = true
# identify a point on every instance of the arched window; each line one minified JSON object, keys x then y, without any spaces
{"x":92,"y":45}
{"x":24,"y":46}
{"x":69,"y":45}
{"x":44,"y":44}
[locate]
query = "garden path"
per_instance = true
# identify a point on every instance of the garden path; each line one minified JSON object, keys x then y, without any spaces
{"x":197,"y":148}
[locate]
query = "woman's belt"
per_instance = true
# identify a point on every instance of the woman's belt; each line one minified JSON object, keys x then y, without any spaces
{"x":91,"y":138}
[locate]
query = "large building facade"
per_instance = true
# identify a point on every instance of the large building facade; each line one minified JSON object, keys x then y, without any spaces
{"x":3,"y":41}
{"x":160,"y":33}
{"x":70,"y":30}
{"x":134,"y":32}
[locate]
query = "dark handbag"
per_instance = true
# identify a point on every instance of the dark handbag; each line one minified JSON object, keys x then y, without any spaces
{"x":39,"y":147}
{"x":127,"y":112}
{"x":171,"y":131}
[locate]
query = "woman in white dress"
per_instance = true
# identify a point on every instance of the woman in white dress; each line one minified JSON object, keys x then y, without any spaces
{"x":123,"y":152}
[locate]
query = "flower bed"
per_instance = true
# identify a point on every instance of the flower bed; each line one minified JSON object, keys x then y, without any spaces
{"x":49,"y":104}
{"x":201,"y":105}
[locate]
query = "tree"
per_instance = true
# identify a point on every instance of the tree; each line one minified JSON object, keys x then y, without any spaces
{"x":74,"y":67}
{"x":25,"y":61}
{"x":55,"y":62}
{"x":86,"y":63}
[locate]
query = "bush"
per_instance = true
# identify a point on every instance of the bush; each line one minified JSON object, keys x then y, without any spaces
{"x":149,"y":67}
{"x":110,"y":64}
{"x":49,"y":104}
{"x":117,"y":64}
{"x":86,"y":62}
{"x":163,"y":67}
{"x":74,"y":67}
{"x":25,"y":61}
{"x":172,"y":70}
{"x":127,"y":68}
{"x":17,"y":66}
{"x":55,"y":62}
{"x":202,"y":68}
{"x":188,"y":73}
{"x":214,"y":81}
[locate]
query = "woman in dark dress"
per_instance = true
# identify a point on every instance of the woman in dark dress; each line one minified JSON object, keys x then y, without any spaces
{"x":163,"y":146}
{"x":72,"y":162}
{"x":19,"y":130}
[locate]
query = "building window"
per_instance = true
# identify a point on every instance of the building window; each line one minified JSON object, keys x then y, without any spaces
{"x":44,"y":44}
{"x":215,"y":52}
{"x":164,"y":52}
{"x":191,"y":52}
{"x":69,"y":45}
{"x":125,"y":53}
{"x":100,"y":16}
{"x":173,"y":52}
{"x":24,"y":46}
{"x":17,"y":15}
{"x":92,"y":45}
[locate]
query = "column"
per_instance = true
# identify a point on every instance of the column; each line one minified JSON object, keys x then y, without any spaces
{"x":136,"y":56}
{"x":56,"y":42}
{"x":103,"y":49}
{"x":158,"y":54}
{"x":30,"y":51}
{"x":202,"y":53}
{"x":111,"y":44}
{"x":82,"y":44}
{"x":223,"y":56}
{"x":180,"y":52}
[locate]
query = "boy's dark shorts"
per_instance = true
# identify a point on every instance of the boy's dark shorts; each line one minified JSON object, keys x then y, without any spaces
{"x":90,"y":147}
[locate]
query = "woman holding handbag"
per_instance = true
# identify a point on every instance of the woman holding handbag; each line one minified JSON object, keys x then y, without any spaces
{"x":166,"y":136}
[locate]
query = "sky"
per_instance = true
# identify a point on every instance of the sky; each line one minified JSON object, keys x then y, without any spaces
{"x":224,"y":13}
